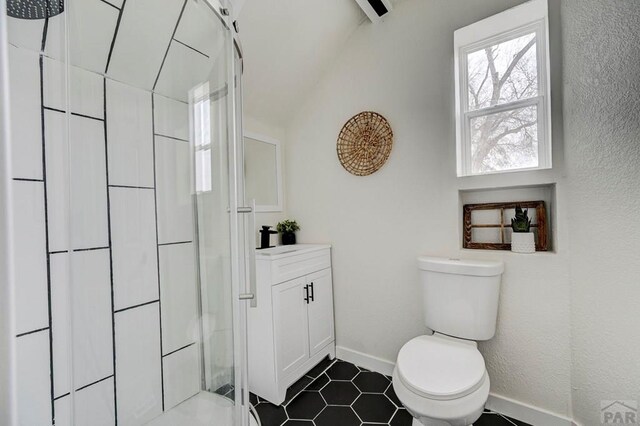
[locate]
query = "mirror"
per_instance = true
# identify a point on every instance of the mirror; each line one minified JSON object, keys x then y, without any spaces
{"x":263,"y":175}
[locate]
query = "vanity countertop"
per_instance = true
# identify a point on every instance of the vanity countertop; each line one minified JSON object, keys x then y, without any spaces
{"x":278,"y":252}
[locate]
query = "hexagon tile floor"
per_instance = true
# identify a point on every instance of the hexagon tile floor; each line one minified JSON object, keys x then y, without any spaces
{"x":337,"y":393}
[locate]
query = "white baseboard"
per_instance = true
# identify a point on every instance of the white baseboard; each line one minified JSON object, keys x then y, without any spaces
{"x":369,"y":362}
{"x":525,"y":413}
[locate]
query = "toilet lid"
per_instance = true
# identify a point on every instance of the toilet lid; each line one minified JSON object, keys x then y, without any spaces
{"x":439,"y":367}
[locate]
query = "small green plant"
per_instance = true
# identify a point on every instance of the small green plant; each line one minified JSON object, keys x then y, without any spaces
{"x":287,"y":226}
{"x":522,"y":222}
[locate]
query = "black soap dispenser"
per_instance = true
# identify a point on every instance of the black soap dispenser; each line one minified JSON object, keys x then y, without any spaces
{"x":265,"y":237}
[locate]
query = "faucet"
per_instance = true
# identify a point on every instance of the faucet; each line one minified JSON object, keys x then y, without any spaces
{"x":265,"y":237}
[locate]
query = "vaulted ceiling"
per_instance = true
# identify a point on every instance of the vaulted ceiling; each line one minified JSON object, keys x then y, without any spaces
{"x":288,"y":45}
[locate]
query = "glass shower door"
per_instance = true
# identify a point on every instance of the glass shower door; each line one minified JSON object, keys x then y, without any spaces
{"x":136,"y":187}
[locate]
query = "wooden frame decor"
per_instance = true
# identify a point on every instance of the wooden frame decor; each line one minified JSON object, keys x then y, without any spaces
{"x":539,"y":227}
{"x":365,"y":143}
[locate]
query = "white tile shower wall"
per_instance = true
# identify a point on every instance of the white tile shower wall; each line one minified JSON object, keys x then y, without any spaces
{"x":182,"y":68}
{"x":94,"y":406}
{"x":178,"y":296}
{"x":87,"y":89}
{"x":130,"y":135}
{"x":87,"y":171}
{"x":138,"y":366}
{"x":34,"y":391}
{"x":111,"y":143}
{"x":143,"y":38}
{"x":171,"y":118}
{"x":89,"y":302}
{"x":133,"y":234}
{"x":25,"y":113}
{"x":30,"y":255}
{"x":181,"y":375}
{"x":173,"y":180}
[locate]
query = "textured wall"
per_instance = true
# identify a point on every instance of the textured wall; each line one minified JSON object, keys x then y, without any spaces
{"x":378,"y":225}
{"x":602,"y":132}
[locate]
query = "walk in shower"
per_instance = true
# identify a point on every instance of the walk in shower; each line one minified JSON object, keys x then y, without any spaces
{"x":129,"y":254}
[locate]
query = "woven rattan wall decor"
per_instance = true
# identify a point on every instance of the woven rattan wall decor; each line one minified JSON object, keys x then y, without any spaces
{"x":364,"y":143}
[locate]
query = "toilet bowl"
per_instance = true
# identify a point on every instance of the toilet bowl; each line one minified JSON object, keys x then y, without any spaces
{"x":441,"y":381}
{"x":441,"y":378}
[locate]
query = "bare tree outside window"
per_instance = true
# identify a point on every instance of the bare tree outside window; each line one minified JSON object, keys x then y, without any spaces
{"x":500,"y":75}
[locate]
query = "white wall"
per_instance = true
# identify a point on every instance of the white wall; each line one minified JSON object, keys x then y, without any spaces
{"x":378,"y":225}
{"x":602,"y":130}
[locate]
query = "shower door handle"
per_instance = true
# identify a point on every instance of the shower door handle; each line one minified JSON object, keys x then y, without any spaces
{"x":251,"y":246}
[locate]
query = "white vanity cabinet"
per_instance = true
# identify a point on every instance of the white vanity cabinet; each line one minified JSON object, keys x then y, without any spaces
{"x":292,"y":328}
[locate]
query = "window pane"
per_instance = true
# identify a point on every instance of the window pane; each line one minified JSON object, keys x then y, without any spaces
{"x":505,"y":141}
{"x":502,"y":73}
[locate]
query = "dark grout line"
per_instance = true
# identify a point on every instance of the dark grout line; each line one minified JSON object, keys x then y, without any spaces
{"x":189,"y":47}
{"x":113,"y":303}
{"x":171,"y":137}
{"x":28,"y":180}
{"x":136,"y":306}
{"x":32,"y":331}
{"x":113,"y":42}
{"x":94,"y":383}
{"x":59,"y":252}
{"x":179,"y":349}
{"x":91,"y":248}
{"x":112,"y":5}
{"x":155,"y":212}
{"x":46,"y":222}
{"x":77,"y":114}
{"x":171,"y":244}
{"x":61,"y":396}
{"x":131,"y":187}
{"x":155,"y":83}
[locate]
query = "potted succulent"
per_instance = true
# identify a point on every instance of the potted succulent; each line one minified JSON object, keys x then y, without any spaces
{"x":522,"y":240}
{"x":288,"y":230}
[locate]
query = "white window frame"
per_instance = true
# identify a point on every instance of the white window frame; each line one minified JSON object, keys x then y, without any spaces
{"x":529,"y":17}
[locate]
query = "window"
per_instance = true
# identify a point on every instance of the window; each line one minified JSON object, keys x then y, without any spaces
{"x":201,"y":110}
{"x":503,"y":111}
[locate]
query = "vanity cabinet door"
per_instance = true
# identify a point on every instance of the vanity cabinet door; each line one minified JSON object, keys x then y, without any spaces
{"x":290,"y":325}
{"x":321,"y":330}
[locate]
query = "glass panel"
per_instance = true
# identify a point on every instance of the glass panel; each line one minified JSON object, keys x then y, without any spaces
{"x":505,"y":141}
{"x":150,"y":259}
{"x":503,"y":73}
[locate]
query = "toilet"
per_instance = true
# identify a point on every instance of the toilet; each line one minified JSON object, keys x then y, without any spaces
{"x":441,"y":378}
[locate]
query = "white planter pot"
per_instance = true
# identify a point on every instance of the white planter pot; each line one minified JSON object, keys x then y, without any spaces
{"x":523,"y":242}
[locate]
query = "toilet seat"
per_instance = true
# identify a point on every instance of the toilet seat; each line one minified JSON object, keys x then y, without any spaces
{"x":441,"y":367}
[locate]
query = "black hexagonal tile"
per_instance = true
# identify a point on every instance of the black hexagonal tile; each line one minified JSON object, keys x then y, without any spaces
{"x":341,"y":370}
{"x":318,"y":383}
{"x":296,"y":423}
{"x":374,"y":408}
{"x":371,"y":382}
{"x":391,"y":394}
{"x":253,"y":399}
{"x":305,"y":406}
{"x":495,"y":419}
{"x":271,"y":414}
{"x":337,"y":416}
{"x":296,"y":388}
{"x":319,"y":369}
{"x":340,"y":393}
{"x":401,"y":418}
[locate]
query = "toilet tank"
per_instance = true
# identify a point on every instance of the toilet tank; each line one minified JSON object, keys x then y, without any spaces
{"x":461,"y":296}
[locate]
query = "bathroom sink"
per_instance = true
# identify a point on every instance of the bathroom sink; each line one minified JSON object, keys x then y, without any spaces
{"x":289,"y":250}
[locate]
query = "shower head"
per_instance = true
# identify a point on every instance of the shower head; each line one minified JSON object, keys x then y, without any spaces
{"x":34,"y":9}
